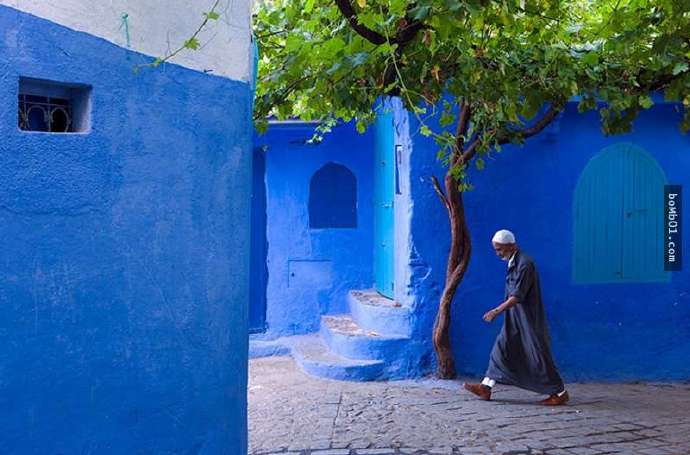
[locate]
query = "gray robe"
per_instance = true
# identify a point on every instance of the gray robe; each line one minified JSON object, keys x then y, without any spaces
{"x":521,"y":355}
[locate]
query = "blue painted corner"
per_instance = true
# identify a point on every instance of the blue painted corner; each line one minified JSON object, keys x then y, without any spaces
{"x":124,"y":267}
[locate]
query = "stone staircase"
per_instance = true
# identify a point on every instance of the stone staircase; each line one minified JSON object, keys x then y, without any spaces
{"x":370,"y":343}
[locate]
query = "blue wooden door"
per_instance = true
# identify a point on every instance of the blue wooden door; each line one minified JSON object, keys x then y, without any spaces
{"x":384,"y":186}
{"x":618,"y":218}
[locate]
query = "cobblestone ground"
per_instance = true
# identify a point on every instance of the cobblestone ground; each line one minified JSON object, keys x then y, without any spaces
{"x":292,"y":413}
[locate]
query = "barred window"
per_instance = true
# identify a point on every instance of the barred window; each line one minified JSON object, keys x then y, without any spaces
{"x":53,"y":107}
{"x":41,"y":113}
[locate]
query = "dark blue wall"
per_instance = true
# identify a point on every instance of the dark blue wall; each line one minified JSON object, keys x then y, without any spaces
{"x":624,"y":331}
{"x":312,"y":270}
{"x":259,"y":246}
{"x":124,"y":265}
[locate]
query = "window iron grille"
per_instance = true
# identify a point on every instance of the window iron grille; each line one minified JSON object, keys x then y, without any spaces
{"x":43,"y":113}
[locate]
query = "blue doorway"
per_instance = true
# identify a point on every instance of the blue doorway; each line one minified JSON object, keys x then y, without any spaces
{"x":384,"y":192}
{"x":257,"y":263}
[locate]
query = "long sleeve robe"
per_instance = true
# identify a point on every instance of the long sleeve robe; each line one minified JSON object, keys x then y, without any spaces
{"x":521,"y":355}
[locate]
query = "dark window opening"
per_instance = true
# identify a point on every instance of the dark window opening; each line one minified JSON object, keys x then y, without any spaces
{"x":333,"y":198}
{"x":53,"y":107}
{"x":41,"y":113}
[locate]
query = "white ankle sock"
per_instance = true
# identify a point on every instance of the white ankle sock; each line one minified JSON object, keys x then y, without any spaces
{"x":560,"y":394}
{"x":490,"y":383}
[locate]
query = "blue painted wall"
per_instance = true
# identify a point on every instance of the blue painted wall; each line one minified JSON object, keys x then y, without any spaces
{"x":312,"y":270}
{"x":124,"y":265}
{"x":626,"y":331}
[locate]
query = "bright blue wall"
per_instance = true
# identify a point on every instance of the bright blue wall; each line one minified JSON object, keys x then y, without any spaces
{"x":604,"y":331}
{"x":124,"y":265}
{"x":311,"y":270}
{"x":421,"y":233}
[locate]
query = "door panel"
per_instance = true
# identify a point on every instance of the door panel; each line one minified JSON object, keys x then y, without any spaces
{"x":384,"y":188}
{"x":618,"y":218}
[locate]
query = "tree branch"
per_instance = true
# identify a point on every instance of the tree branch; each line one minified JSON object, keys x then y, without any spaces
{"x":463,"y":122}
{"x":407,"y":33}
{"x":507,"y":135}
{"x":191,"y":43}
{"x":349,"y":13}
{"x":530,"y":131}
{"x":439,"y":192}
{"x":659,"y":82}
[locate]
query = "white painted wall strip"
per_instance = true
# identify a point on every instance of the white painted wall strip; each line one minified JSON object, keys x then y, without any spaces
{"x":157,"y":27}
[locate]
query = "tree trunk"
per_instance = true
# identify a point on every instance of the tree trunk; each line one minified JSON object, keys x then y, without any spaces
{"x":458,"y":260}
{"x":460,"y":243}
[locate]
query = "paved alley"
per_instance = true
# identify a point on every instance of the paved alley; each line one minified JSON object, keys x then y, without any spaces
{"x":292,"y":413}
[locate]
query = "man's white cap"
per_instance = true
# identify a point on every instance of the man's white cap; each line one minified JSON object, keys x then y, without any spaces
{"x":503,"y":237}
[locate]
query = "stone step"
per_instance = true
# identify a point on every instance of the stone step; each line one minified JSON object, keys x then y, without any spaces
{"x":344,"y":337}
{"x":375,"y":313}
{"x":312,"y":354}
{"x":267,"y":348}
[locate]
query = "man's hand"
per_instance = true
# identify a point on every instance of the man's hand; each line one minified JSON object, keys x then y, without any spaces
{"x":490,"y":315}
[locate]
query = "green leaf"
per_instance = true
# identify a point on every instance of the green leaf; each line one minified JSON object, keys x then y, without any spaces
{"x":685,"y":125}
{"x":421,"y":12}
{"x":645,"y":101}
{"x":212,"y":15}
{"x":261,"y":126}
{"x":453,"y":5}
{"x":425,"y":131}
{"x":680,"y":68}
{"x":511,"y":111}
{"x":590,"y":58}
{"x":359,"y":58}
{"x":192,"y":43}
{"x":361,"y":126}
{"x":293,"y":43}
{"x":447,"y":118}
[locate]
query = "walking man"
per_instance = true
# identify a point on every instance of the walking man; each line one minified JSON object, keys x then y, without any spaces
{"x":521,"y":355}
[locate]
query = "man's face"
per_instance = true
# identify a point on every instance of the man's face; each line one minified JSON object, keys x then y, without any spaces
{"x":503,"y":250}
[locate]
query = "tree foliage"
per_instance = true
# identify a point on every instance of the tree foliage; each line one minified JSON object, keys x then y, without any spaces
{"x":329,"y":60}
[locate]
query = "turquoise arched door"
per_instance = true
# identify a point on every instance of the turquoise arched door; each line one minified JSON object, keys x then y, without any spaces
{"x":618,"y":218}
